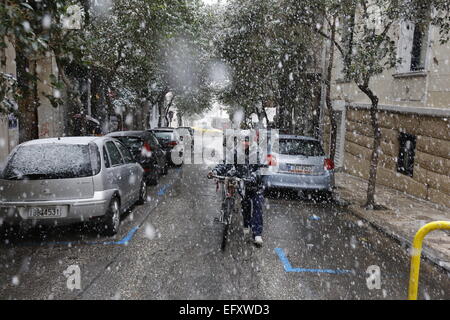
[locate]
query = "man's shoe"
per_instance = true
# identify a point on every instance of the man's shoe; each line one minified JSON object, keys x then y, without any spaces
{"x":258,"y":240}
{"x":246,"y":231}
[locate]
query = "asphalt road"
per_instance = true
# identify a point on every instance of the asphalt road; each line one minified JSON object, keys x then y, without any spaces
{"x":169,"y":248}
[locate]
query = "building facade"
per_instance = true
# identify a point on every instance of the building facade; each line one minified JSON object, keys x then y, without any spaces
{"x":9,"y":131}
{"x":414,"y":115}
{"x":51,"y":120}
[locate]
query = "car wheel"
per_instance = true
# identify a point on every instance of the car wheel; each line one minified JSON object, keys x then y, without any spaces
{"x":142,"y":193}
{"x":111,"y":221}
{"x":153,"y":181}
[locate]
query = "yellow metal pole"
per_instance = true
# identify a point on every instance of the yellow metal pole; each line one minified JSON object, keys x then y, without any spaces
{"x":416,"y":252}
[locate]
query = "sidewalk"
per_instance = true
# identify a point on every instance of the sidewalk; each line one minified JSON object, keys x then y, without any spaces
{"x":404,"y":217}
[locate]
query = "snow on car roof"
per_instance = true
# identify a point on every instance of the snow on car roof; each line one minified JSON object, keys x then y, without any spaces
{"x":126,"y":133}
{"x":62,"y":140}
{"x":163,"y":129}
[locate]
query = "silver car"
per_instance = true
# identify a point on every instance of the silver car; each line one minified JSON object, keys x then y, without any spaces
{"x":68,"y":180}
{"x":299,"y":164}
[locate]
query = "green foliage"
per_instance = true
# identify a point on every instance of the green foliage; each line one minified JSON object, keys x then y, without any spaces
{"x":8,"y":93}
{"x":35,"y":28}
{"x":270,"y":55}
{"x":151,"y":47}
{"x":366,"y":40}
{"x":128,"y":45}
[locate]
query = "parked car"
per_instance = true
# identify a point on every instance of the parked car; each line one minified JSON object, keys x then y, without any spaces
{"x":299,"y":164}
{"x":170,"y":140}
{"x":147,"y":151}
{"x":62,"y":181}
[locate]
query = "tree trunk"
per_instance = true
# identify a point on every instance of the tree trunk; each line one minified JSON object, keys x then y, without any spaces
{"x":28,"y":102}
{"x":73,"y":100}
{"x":267,"y":118}
{"x":161,"y":109}
{"x":331,"y":114}
{"x":161,"y":117}
{"x":166,"y":111}
{"x":370,"y":202}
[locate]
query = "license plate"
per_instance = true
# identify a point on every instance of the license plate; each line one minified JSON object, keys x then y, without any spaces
{"x":300,"y":169}
{"x":47,"y":212}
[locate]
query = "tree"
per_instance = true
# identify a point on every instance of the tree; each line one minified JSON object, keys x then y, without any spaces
{"x":156,"y":50}
{"x":36,"y":29}
{"x":321,"y":17}
{"x":272,"y":59}
{"x":368,"y":48}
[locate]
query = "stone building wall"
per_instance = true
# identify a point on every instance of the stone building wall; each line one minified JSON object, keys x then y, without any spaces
{"x":431,"y":174}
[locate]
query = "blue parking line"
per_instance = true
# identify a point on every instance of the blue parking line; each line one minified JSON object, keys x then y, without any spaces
{"x":286,"y":264}
{"x":124,"y":241}
{"x":162,"y":191}
{"x":288,"y":267}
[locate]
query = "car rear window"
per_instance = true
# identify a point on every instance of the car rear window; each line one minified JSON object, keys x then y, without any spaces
{"x":298,"y":147}
{"x":51,"y":161}
{"x":165,"y":135}
{"x":135,"y":144}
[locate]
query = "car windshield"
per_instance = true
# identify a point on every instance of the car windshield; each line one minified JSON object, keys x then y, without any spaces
{"x":49,"y":161}
{"x":298,"y":147}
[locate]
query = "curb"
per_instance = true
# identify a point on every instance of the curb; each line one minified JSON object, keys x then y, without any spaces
{"x":427,"y":253}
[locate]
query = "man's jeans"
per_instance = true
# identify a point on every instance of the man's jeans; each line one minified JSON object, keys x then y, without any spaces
{"x":252,"y":212}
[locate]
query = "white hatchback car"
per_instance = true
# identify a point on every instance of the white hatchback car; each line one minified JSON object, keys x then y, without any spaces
{"x":67,"y":180}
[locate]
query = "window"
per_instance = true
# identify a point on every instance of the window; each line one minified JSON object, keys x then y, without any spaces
{"x":297,"y":147}
{"x":154,"y":142}
{"x":419,"y":47}
{"x":95,"y":159}
{"x":413,"y":42}
{"x":134,"y":144}
{"x":164,"y":135}
{"x":105,"y":158}
{"x":50,"y":161}
{"x":128,"y":158}
{"x":114,"y":154}
{"x":406,"y":154}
